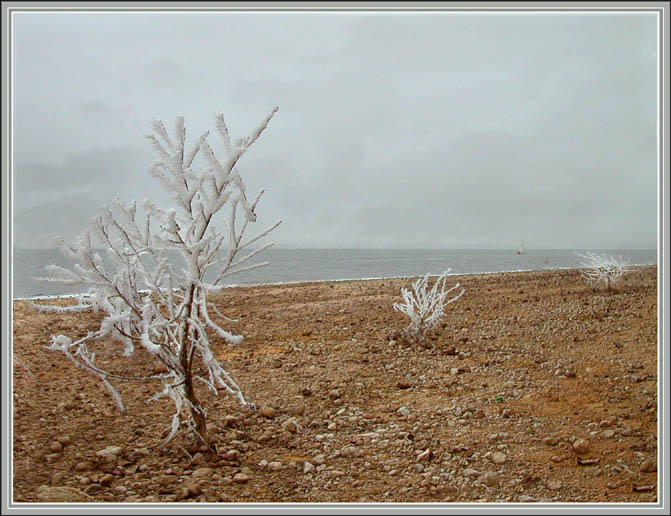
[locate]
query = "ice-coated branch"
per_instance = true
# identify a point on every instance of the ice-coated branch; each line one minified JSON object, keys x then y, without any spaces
{"x":602,"y":270}
{"x":425,"y":307}
{"x":147,"y":303}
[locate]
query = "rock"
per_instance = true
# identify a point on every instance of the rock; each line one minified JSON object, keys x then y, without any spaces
{"x":296,"y":410}
{"x":489,"y":478}
{"x":275,"y":465}
{"x":62,"y":494}
{"x":55,"y":447}
{"x":194,"y":489}
{"x":607,"y":434}
{"x":350,"y":452}
{"x":472,"y":473}
{"x":93,"y":489}
{"x":425,"y":455}
{"x":232,"y":455}
{"x":202,"y":473}
{"x":527,"y":498}
{"x":181,"y":494}
{"x":241,"y":478}
{"x":291,"y":426}
{"x":113,"y":451}
{"x":649,"y":466}
{"x":106,"y":480}
{"x":164,"y":480}
{"x":403,"y":384}
{"x":334,"y":394}
{"x":498,"y":457}
{"x":83,"y":466}
{"x":198,"y":458}
{"x":404,"y":411}
{"x":50,"y":458}
{"x":581,"y":446}
{"x":308,"y":467}
{"x":232,"y":421}
{"x":319,"y":459}
{"x":64,"y":440}
{"x":57,"y":477}
{"x":554,"y":484}
{"x":267,"y":412}
{"x":550,"y":441}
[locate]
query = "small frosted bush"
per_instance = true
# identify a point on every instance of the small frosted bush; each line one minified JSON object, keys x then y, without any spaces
{"x":425,"y":307}
{"x":604,"y":271}
{"x":151,"y":304}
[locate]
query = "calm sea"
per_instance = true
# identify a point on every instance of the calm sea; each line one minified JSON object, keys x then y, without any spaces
{"x":291,"y":265}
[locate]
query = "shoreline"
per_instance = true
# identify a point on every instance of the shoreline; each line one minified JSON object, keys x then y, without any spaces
{"x":39,"y":297}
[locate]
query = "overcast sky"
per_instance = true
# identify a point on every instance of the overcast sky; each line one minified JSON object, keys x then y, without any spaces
{"x":394,"y":130}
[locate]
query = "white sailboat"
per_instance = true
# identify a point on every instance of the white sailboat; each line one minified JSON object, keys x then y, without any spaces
{"x":522,"y":249}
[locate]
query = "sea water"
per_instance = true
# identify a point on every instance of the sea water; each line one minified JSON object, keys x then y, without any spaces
{"x":296,"y":265}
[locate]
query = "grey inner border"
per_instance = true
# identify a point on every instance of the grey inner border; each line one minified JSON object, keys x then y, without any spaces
{"x":341,"y":7}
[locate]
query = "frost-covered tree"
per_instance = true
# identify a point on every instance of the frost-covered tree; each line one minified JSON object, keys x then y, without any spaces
{"x":425,"y":307}
{"x":149,"y":302}
{"x":602,"y":270}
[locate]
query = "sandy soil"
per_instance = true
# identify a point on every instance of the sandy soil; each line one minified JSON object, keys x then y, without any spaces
{"x":537,"y":388}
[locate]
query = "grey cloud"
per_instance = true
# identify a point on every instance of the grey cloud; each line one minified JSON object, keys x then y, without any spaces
{"x":394,"y":130}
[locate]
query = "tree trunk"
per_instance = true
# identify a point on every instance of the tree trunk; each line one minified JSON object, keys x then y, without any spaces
{"x":196,"y":409}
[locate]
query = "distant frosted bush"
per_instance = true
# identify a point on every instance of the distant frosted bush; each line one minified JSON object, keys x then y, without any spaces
{"x":425,"y":307}
{"x":604,"y":271}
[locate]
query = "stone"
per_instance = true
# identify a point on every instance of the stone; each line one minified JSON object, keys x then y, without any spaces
{"x":275,"y":465}
{"x":648,"y":466}
{"x":106,"y":480}
{"x":498,"y":457}
{"x":181,"y":494}
{"x":113,"y":451}
{"x":50,"y":458}
{"x":202,"y":473}
{"x":241,"y":478}
{"x":93,"y":489}
{"x":404,"y":411}
{"x":55,"y":447}
{"x":62,"y":494}
{"x":267,"y":412}
{"x":83,"y":465}
{"x":607,"y":434}
{"x":198,"y":458}
{"x":554,"y":484}
{"x":350,"y":452}
{"x":232,"y":421}
{"x":489,"y":479}
{"x":581,"y":446}
{"x":308,"y":467}
{"x":296,"y":410}
{"x":291,"y":426}
{"x":425,"y":455}
{"x":550,"y":441}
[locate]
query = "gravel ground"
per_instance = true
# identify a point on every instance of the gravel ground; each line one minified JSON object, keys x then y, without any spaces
{"x":535,"y":388}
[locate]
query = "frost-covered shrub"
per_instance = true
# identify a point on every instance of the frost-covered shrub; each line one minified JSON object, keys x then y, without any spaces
{"x":149,"y":304}
{"x":425,"y":307}
{"x":603,"y":271}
